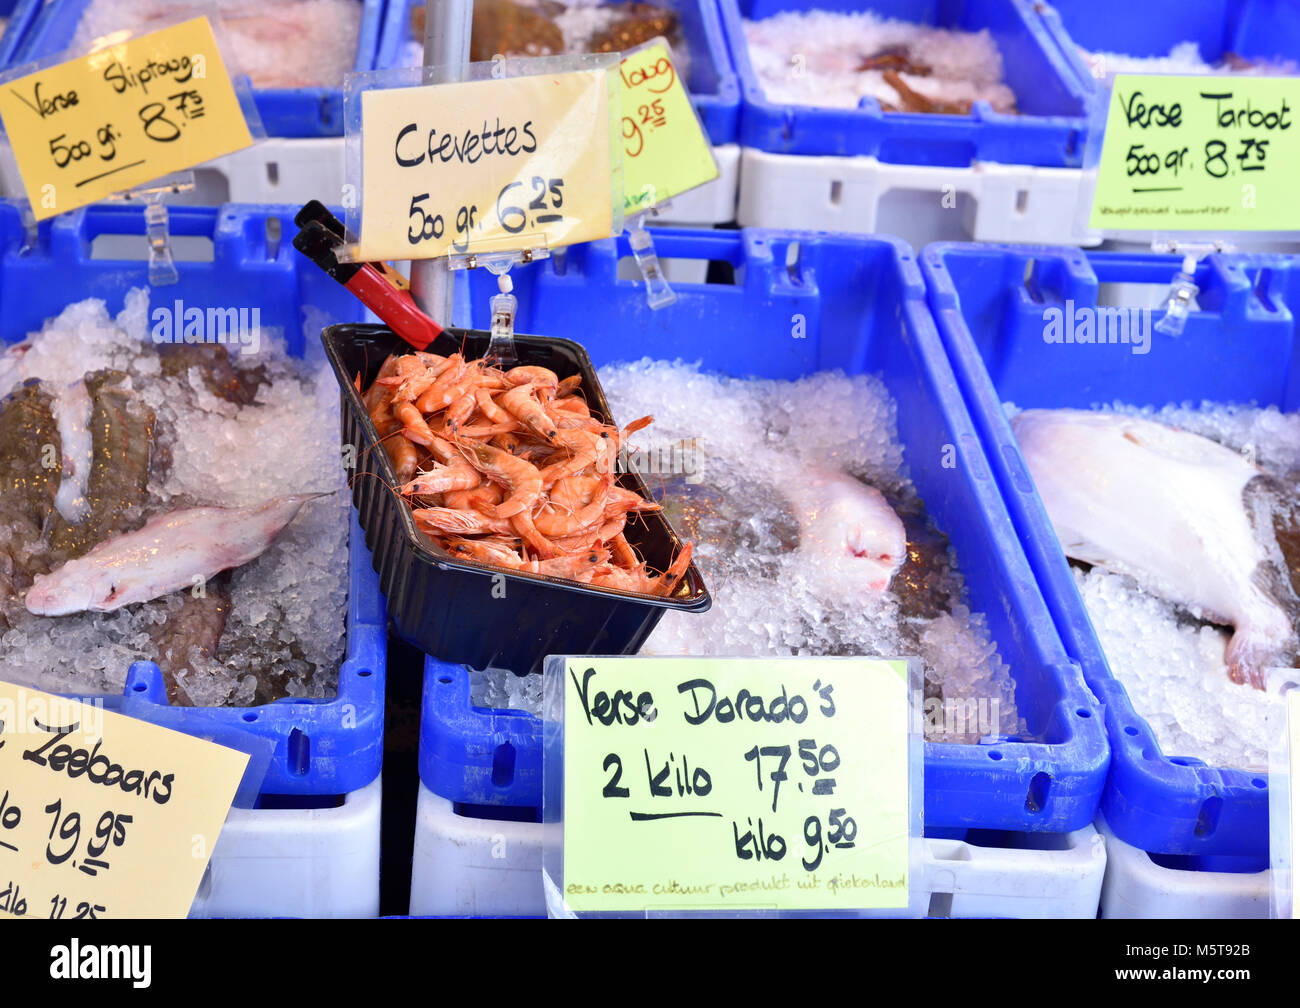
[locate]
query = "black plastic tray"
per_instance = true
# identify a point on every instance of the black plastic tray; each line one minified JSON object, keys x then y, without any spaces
{"x":465,"y":612}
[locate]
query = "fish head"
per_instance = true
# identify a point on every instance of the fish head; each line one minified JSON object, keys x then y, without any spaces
{"x":70,"y":590}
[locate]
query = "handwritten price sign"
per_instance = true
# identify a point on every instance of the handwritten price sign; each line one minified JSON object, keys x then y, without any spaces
{"x":735,"y":783}
{"x":665,"y":151}
{"x":1199,"y":154}
{"x":488,"y":165}
{"x":121,"y":116}
{"x":102,"y":815}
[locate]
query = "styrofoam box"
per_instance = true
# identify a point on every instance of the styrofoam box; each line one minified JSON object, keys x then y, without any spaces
{"x":982,"y":201}
{"x":320,"y":862}
{"x":1137,"y":888}
{"x":493,"y":868}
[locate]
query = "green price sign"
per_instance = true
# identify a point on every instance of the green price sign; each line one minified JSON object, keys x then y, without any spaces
{"x":741,"y":784}
{"x":1199,"y":154}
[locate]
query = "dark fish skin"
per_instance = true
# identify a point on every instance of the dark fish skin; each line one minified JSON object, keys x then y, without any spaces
{"x":222,"y":379}
{"x":123,"y":432}
{"x":27,"y":425}
{"x":200,"y":623}
{"x":511,"y":29}
{"x":643,"y":22}
{"x":1274,"y":507}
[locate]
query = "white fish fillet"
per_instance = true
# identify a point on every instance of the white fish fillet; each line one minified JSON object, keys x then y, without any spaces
{"x":162,"y":557}
{"x":1165,"y":507}
{"x":849,"y":524}
{"x":72,"y":409}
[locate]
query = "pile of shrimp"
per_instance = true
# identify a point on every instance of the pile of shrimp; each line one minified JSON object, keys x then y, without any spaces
{"x":510,"y":469}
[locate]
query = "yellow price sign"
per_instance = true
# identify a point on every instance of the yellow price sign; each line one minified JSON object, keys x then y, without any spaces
{"x":665,"y":151}
{"x":490,"y":165}
{"x":736,"y":783}
{"x":1184,"y":153}
{"x":121,"y":116}
{"x":102,"y":815}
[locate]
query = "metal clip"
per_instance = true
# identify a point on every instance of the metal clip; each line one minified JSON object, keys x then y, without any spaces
{"x":657,"y":291}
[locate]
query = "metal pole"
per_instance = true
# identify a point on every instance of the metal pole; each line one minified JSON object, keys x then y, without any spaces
{"x":447,"y":26}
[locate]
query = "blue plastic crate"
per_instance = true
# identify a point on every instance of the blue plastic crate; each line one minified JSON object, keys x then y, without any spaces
{"x":862,"y":300}
{"x":1049,"y":131}
{"x":21,"y":15}
{"x":1241,"y":347}
{"x":1255,"y":29}
{"x":321,"y":747}
{"x":285,"y":112}
{"x":711,"y":78}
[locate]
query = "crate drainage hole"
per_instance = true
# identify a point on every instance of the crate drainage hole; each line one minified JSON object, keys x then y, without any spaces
{"x":272,"y":237}
{"x":250,"y":717}
{"x":299,"y":752}
{"x":273,"y":173}
{"x":503,"y":765}
{"x":1208,"y":818}
{"x":1036,"y":799}
{"x":1022,"y":200}
{"x":940,"y":905}
{"x":140,"y":687}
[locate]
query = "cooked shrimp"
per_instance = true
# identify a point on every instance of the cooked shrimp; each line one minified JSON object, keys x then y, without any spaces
{"x":521,"y":404}
{"x":521,"y":478}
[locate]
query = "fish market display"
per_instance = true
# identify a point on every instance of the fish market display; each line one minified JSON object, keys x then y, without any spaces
{"x":509,"y":468}
{"x":1189,"y":518}
{"x":277,"y":43}
{"x":834,"y":60}
{"x":552,"y":28}
{"x":169,"y":502}
{"x":811,"y":537}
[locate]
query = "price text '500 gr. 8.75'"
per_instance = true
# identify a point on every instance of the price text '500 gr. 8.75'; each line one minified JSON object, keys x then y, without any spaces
{"x":1242,"y":147}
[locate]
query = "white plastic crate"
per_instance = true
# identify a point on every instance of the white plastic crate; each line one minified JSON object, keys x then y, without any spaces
{"x":491,"y":868}
{"x":1138,"y":888}
{"x":275,"y":170}
{"x":296,"y":862}
{"x":920,"y":204}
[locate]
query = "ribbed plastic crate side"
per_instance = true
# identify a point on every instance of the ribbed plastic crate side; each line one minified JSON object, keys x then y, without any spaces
{"x":321,"y":748}
{"x":285,"y":112}
{"x":711,"y":79}
{"x":834,"y":278}
{"x":1051,"y":133}
{"x":1172,"y":805}
{"x":476,"y":755}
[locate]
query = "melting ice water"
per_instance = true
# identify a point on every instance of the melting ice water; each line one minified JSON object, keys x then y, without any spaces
{"x":772,"y":594}
{"x":285,"y":631}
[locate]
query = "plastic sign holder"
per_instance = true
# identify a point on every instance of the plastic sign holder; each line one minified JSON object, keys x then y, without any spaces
{"x":731,"y":786}
{"x":491,"y":195}
{"x":125,"y":120}
{"x":1283,"y":807}
{"x":666,"y":152}
{"x":102,"y":815}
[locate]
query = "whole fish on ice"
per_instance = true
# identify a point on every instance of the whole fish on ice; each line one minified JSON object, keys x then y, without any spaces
{"x":1188,"y":519}
{"x":849,"y":524}
{"x":163,"y":556}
